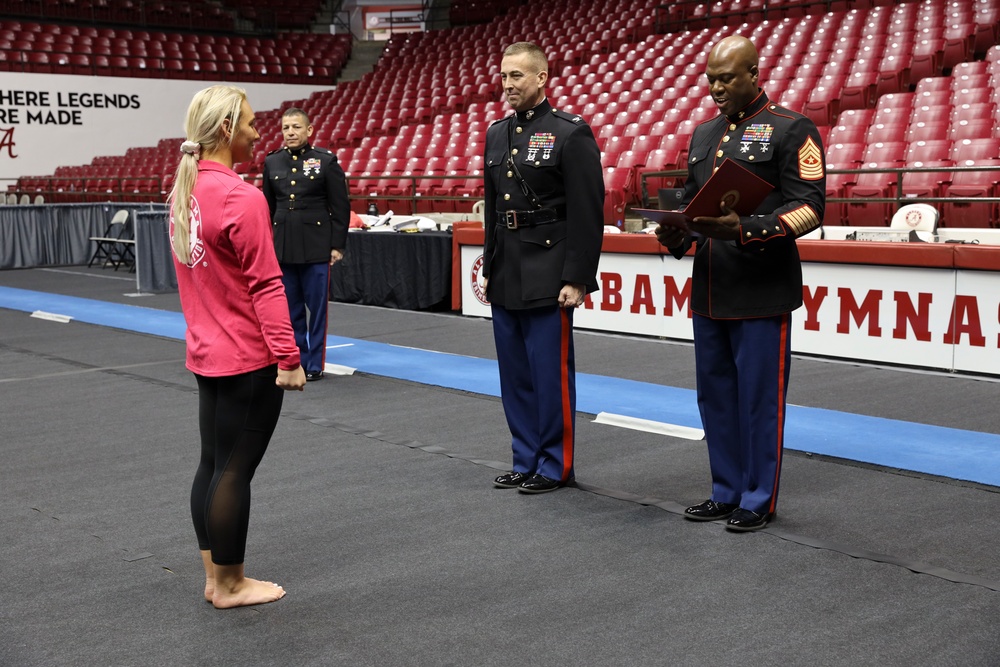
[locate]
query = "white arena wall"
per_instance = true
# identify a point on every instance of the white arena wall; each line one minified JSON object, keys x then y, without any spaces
{"x":51,"y":120}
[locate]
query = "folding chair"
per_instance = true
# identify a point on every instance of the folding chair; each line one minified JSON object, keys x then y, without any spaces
{"x":117,"y":246}
{"x":919,"y":218}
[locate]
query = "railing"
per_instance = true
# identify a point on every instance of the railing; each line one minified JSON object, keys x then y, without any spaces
{"x":66,"y":189}
{"x":413,"y":197}
{"x":151,"y":188}
{"x":180,"y":67}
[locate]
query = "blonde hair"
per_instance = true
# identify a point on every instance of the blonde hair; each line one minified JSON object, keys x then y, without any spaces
{"x":203,"y":126}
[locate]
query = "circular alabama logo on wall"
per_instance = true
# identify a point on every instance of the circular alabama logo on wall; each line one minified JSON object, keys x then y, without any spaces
{"x":478,"y":287}
{"x":195,"y":244}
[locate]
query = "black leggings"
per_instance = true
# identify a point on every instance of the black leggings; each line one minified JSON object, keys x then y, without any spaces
{"x":236,"y":416}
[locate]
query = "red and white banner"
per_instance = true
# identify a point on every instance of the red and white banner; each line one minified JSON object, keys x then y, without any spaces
{"x":942,"y":318}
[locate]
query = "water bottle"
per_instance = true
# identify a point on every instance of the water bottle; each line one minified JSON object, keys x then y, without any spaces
{"x":373,"y":209}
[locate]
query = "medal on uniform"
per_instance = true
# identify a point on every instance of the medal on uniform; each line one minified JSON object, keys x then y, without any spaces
{"x":310,"y":165}
{"x":541,"y":141}
{"x":759,"y":132}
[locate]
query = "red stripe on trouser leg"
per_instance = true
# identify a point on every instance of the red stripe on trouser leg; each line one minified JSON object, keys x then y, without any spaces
{"x":567,"y":408}
{"x":326,"y":321}
{"x":782,"y":389}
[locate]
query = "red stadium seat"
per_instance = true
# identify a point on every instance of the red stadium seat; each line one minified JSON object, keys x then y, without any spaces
{"x":928,"y":151}
{"x":922,"y":131}
{"x":972,"y":184}
{"x":848,"y":134}
{"x":892,"y":108}
{"x":928,"y":56}
{"x":886,"y":132}
{"x":973,"y":129}
{"x":617,"y":193}
{"x":38,"y":61}
{"x":958,"y":41}
{"x":922,"y":184}
{"x":645,"y":144}
{"x":862,"y":117}
{"x":974,"y":111}
{"x":858,"y":90}
{"x":985,"y":148}
{"x":80,"y":64}
{"x":938,"y":86}
{"x":973,"y":95}
{"x":673,"y":146}
{"x":884,"y":153}
{"x":987,"y":26}
{"x":937,"y":113}
{"x":873,"y":184}
{"x":840,"y":156}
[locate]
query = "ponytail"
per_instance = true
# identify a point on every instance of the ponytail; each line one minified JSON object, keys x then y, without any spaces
{"x":204,"y":131}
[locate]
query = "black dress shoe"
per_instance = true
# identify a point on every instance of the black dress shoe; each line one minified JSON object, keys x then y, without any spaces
{"x":540,"y":484}
{"x":710,"y":511}
{"x":510,"y":480}
{"x":312,"y":376}
{"x":744,"y":520}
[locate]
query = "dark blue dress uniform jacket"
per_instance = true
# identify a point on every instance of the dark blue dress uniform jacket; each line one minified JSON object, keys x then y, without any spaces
{"x":761,"y":274}
{"x":557,"y":155}
{"x":307,"y":195}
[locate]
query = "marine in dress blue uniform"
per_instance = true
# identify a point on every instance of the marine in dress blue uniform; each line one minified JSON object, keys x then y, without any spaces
{"x":746,"y":280}
{"x":307,"y":194}
{"x":544,"y":193}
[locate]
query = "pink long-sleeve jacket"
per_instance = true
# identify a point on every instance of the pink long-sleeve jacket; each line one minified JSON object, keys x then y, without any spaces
{"x":231,"y":291}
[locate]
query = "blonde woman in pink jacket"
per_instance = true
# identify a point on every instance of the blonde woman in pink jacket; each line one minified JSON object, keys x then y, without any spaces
{"x":240,"y":344}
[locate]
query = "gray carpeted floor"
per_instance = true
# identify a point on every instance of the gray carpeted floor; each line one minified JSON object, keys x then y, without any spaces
{"x":374,"y":508}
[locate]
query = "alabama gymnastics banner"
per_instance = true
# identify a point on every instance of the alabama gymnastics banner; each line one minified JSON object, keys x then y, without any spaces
{"x":934,"y":317}
{"x":50,"y":120}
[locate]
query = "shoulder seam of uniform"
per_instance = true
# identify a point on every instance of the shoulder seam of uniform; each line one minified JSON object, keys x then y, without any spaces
{"x":779,"y":110}
{"x":567,"y":116}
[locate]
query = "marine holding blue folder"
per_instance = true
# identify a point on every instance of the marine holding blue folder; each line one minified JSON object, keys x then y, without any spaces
{"x":746,"y":281}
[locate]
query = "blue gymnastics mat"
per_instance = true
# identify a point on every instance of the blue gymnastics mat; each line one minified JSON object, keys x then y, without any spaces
{"x":955,"y":453}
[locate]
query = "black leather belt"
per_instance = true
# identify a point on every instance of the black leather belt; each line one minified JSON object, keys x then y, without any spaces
{"x":541,"y":216}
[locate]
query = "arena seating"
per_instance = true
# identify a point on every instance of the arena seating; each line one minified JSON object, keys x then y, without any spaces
{"x":186,"y":14}
{"x":885,"y":83}
{"x":201,"y":15}
{"x":276,"y":14}
{"x":307,"y":58}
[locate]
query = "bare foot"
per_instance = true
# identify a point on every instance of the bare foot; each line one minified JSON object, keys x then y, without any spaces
{"x":246,"y":593}
{"x":206,"y":559}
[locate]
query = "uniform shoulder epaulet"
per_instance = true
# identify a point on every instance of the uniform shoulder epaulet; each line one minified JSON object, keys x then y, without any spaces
{"x":276,"y":150}
{"x":502,"y":120}
{"x":714,"y":119}
{"x":783,"y":111}
{"x":576,"y":119}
